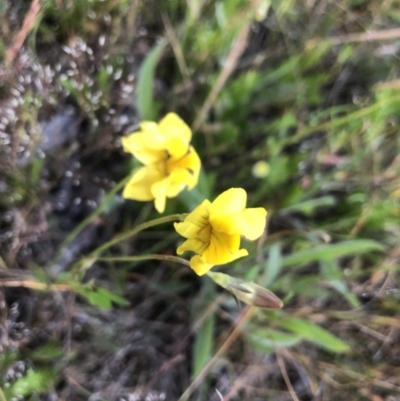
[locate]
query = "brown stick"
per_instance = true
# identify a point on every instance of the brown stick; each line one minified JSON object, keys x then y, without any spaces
{"x":369,"y":36}
{"x":35,"y":285}
{"x":29,"y":22}
{"x":239,"y":323}
{"x":238,"y":47}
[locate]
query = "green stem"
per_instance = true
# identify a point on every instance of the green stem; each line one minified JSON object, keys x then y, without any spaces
{"x":72,"y":235}
{"x":168,"y":258}
{"x":124,"y":236}
{"x":306,"y":132}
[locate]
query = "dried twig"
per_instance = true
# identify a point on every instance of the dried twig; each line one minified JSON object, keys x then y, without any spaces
{"x":369,"y":36}
{"x":238,"y":47}
{"x":29,"y":22}
{"x":35,"y":285}
{"x":177,"y":49}
{"x":282,"y":367}
{"x":239,"y":323}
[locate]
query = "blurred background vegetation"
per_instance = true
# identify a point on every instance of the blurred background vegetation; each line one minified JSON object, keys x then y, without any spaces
{"x":295,"y":101}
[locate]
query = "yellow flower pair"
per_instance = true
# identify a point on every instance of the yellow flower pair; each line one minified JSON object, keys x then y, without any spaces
{"x":212,"y":230}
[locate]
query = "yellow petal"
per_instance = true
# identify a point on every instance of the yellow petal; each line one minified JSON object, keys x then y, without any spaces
{"x":159,"y":203}
{"x":199,"y":266}
{"x":194,"y":221}
{"x":190,"y":162}
{"x":177,"y":182}
{"x":223,"y":249}
{"x":177,"y":147}
{"x":249,"y":222}
{"x":255,"y":222}
{"x":231,"y":201}
{"x":139,"y":186}
{"x":152,"y":136}
{"x":159,"y":191}
{"x":226,"y":210}
{"x":172,"y":125}
{"x":231,"y":223}
{"x":137,"y":145}
{"x":169,"y":187}
{"x":194,"y":166}
{"x":177,"y":134}
{"x":193,"y":245}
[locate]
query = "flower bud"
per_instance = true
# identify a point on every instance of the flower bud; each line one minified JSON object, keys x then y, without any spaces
{"x":246,"y":291}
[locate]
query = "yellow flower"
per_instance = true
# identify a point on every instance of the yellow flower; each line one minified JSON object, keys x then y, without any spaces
{"x":213,"y":230}
{"x":170,"y":163}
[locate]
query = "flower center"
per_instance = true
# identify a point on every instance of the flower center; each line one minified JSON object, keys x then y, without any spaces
{"x":204,"y":234}
{"x":162,"y":166}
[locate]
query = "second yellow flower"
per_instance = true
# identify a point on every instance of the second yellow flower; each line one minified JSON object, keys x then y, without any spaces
{"x":171,"y":164}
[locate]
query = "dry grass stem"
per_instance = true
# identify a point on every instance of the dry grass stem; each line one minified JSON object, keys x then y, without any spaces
{"x":177,"y":49}
{"x":282,"y":367}
{"x":237,"y":49}
{"x":35,"y":285}
{"x":370,"y":36}
{"x":29,"y":22}
{"x":239,"y":323}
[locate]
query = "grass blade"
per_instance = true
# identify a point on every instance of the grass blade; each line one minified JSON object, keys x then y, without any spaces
{"x":144,"y":97}
{"x":331,"y":251}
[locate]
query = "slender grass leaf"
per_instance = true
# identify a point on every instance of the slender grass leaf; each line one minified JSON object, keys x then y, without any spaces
{"x":203,"y":345}
{"x":266,"y":339}
{"x":98,"y":296}
{"x":273,"y":265}
{"x":36,"y":168}
{"x":333,"y":275}
{"x":315,"y":334}
{"x":341,"y":287}
{"x":311,"y":332}
{"x":331,"y":251}
{"x":191,"y":198}
{"x":144,"y":97}
{"x":252,"y":273}
{"x":307,"y":207}
{"x":204,"y":340}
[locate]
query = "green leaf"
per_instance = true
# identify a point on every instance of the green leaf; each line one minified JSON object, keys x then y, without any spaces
{"x":203,"y":345}
{"x":103,"y":78}
{"x":332,"y":274}
{"x":98,"y":296}
{"x":307,"y":207}
{"x":331,"y":251}
{"x":33,"y":381}
{"x":192,"y":198}
{"x":36,"y":168}
{"x":266,"y":339}
{"x":273,"y":265}
{"x":341,"y":287}
{"x":204,"y":341}
{"x":48,"y":352}
{"x":144,"y":97}
{"x":309,"y":331}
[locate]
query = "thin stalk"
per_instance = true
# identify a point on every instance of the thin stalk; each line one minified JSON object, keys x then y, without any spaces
{"x":124,"y":236}
{"x":308,"y":131}
{"x":130,"y":233}
{"x":168,"y":258}
{"x":239,"y":324}
{"x":72,"y":235}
